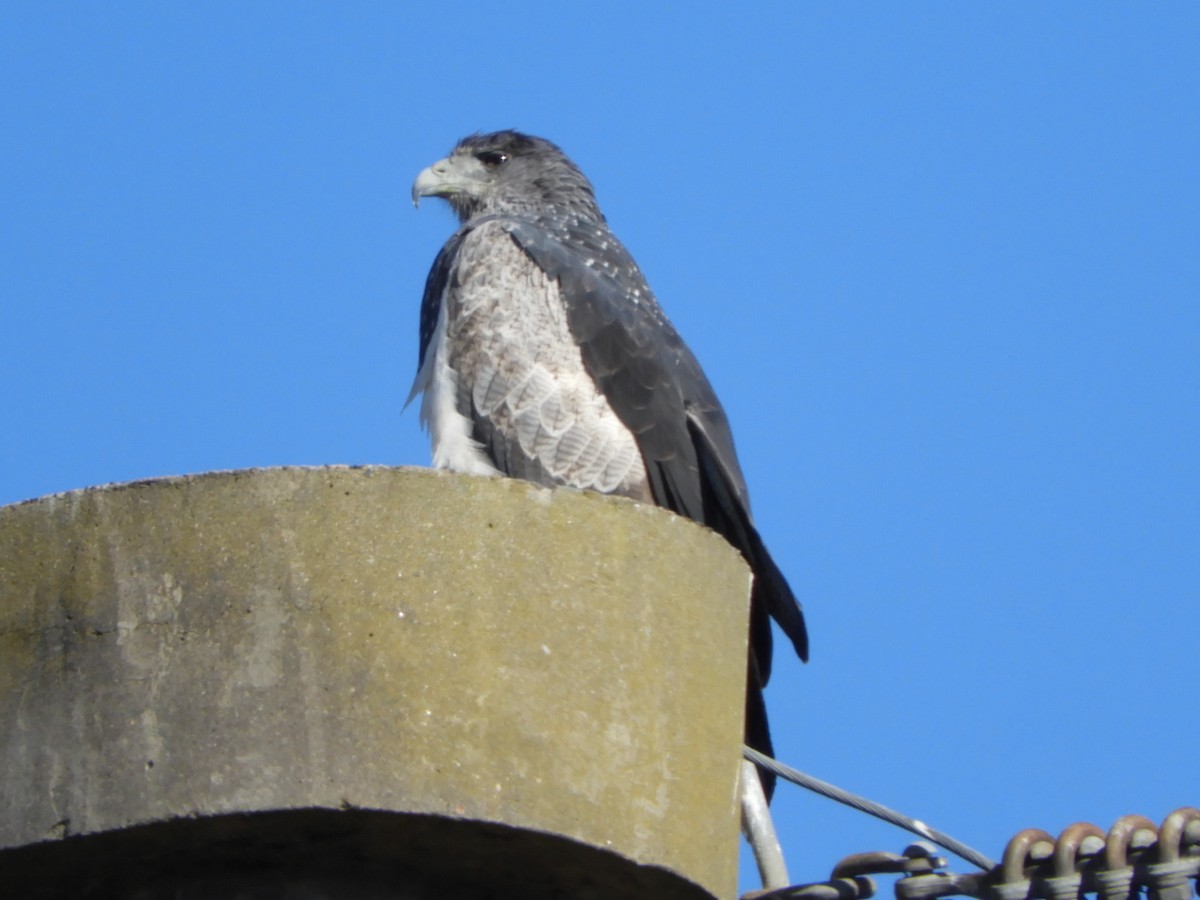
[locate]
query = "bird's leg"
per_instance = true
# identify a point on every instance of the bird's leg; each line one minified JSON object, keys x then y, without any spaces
{"x":760,"y":830}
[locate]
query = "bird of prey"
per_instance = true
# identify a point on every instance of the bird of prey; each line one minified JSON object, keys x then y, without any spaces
{"x":545,"y":356}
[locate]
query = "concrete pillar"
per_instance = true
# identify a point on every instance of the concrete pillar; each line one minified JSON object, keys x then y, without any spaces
{"x":366,"y":682}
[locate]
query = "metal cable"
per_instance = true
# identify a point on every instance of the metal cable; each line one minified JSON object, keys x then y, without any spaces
{"x":833,"y":792}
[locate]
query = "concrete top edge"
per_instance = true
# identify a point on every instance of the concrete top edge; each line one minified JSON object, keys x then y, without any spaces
{"x":212,"y":473}
{"x":501,"y":485}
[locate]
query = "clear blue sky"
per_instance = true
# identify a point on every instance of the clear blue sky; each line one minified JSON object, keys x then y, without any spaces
{"x":941,"y":261}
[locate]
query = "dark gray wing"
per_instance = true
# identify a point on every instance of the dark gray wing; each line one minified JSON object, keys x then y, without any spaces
{"x":657,"y":388}
{"x":435,"y":287}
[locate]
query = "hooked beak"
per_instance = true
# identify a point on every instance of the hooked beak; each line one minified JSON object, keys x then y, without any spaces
{"x":434,"y":181}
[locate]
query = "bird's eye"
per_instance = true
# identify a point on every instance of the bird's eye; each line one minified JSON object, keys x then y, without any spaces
{"x":492,"y":158}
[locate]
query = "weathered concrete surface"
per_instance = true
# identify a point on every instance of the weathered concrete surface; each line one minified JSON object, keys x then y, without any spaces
{"x":479,"y":650}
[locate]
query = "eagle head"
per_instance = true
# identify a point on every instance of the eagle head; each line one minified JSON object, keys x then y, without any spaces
{"x":507,"y":172}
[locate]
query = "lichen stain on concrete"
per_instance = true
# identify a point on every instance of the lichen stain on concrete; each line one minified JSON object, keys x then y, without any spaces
{"x":148,"y":605}
{"x":263,"y":645}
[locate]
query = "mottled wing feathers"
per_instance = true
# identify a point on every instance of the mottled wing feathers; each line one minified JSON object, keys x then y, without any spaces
{"x":629,"y":348}
{"x":535,"y":410}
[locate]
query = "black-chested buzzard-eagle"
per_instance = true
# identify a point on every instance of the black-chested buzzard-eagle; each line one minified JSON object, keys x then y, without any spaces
{"x":545,"y":356}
